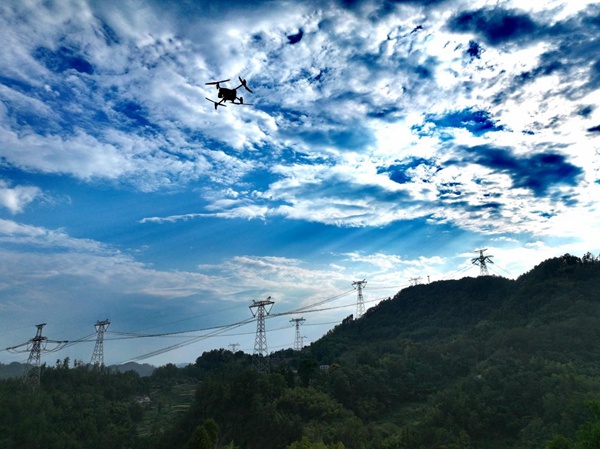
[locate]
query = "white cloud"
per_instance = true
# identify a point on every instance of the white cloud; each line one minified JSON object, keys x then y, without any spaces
{"x":387,"y":262}
{"x":15,"y":199}
{"x":70,"y":263}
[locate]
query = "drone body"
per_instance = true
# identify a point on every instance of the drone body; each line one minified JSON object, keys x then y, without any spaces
{"x":226,"y":94}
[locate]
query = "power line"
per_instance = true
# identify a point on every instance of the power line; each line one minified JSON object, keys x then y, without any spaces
{"x":220,"y":330}
{"x":193,"y":317}
{"x":132,"y":335}
{"x":498,"y":266}
{"x":215,"y":330}
{"x":454,"y":273}
{"x":304,"y":308}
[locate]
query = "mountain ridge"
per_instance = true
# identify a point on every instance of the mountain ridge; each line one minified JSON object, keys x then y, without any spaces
{"x":551,"y":291}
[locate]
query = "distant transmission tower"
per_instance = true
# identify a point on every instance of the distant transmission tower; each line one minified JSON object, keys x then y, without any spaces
{"x":35,"y":346}
{"x":98,"y":354}
{"x":482,"y":261}
{"x":298,"y":338}
{"x":260,"y":344}
{"x":415,"y":281}
{"x":233,"y":347}
{"x":360,"y":303}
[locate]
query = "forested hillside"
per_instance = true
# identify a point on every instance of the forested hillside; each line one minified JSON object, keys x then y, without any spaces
{"x":481,"y":362}
{"x":75,"y":408}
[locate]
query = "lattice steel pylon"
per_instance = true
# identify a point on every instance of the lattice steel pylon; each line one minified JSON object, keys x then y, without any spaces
{"x":98,"y":354}
{"x":482,"y":262}
{"x":263,"y":308}
{"x":415,"y":281}
{"x":35,"y":346}
{"x":360,"y":303}
{"x":298,"y":338}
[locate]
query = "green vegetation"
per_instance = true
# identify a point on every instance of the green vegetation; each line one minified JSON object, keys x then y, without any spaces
{"x":73,"y":409}
{"x":481,"y":362}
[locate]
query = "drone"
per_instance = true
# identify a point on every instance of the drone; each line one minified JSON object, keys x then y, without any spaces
{"x":228,"y":94}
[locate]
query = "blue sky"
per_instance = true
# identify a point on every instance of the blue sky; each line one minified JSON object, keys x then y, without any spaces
{"x":387,"y":141}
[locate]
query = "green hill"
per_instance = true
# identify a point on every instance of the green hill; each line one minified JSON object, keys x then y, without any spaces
{"x":481,"y":362}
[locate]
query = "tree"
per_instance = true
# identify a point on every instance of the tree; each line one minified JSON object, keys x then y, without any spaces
{"x":559,"y":442}
{"x":305,"y":443}
{"x":307,"y":370}
{"x":588,"y":434}
{"x":205,"y":436}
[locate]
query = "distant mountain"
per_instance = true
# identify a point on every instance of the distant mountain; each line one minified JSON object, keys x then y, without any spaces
{"x":144,"y":369}
{"x":14,"y":369}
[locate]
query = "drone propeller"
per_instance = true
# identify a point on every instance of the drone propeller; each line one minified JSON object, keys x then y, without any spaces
{"x":217,"y":104}
{"x":243,"y":81}
{"x":216,"y":82}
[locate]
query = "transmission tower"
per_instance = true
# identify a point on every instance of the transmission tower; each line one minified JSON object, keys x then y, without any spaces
{"x":35,"y":346}
{"x":98,"y":354}
{"x":233,"y":346}
{"x":482,"y":262}
{"x":298,"y":339}
{"x":415,"y":281}
{"x":260,"y":309}
{"x":360,"y":304}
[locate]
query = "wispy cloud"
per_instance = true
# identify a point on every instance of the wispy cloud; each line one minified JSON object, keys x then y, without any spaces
{"x":15,"y":199}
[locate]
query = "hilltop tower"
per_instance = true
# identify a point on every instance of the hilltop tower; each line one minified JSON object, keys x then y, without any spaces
{"x":98,"y":354}
{"x":360,"y":303}
{"x":415,"y":281}
{"x":298,"y":338}
{"x":260,"y":310}
{"x":482,"y":262}
{"x":35,"y":346}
